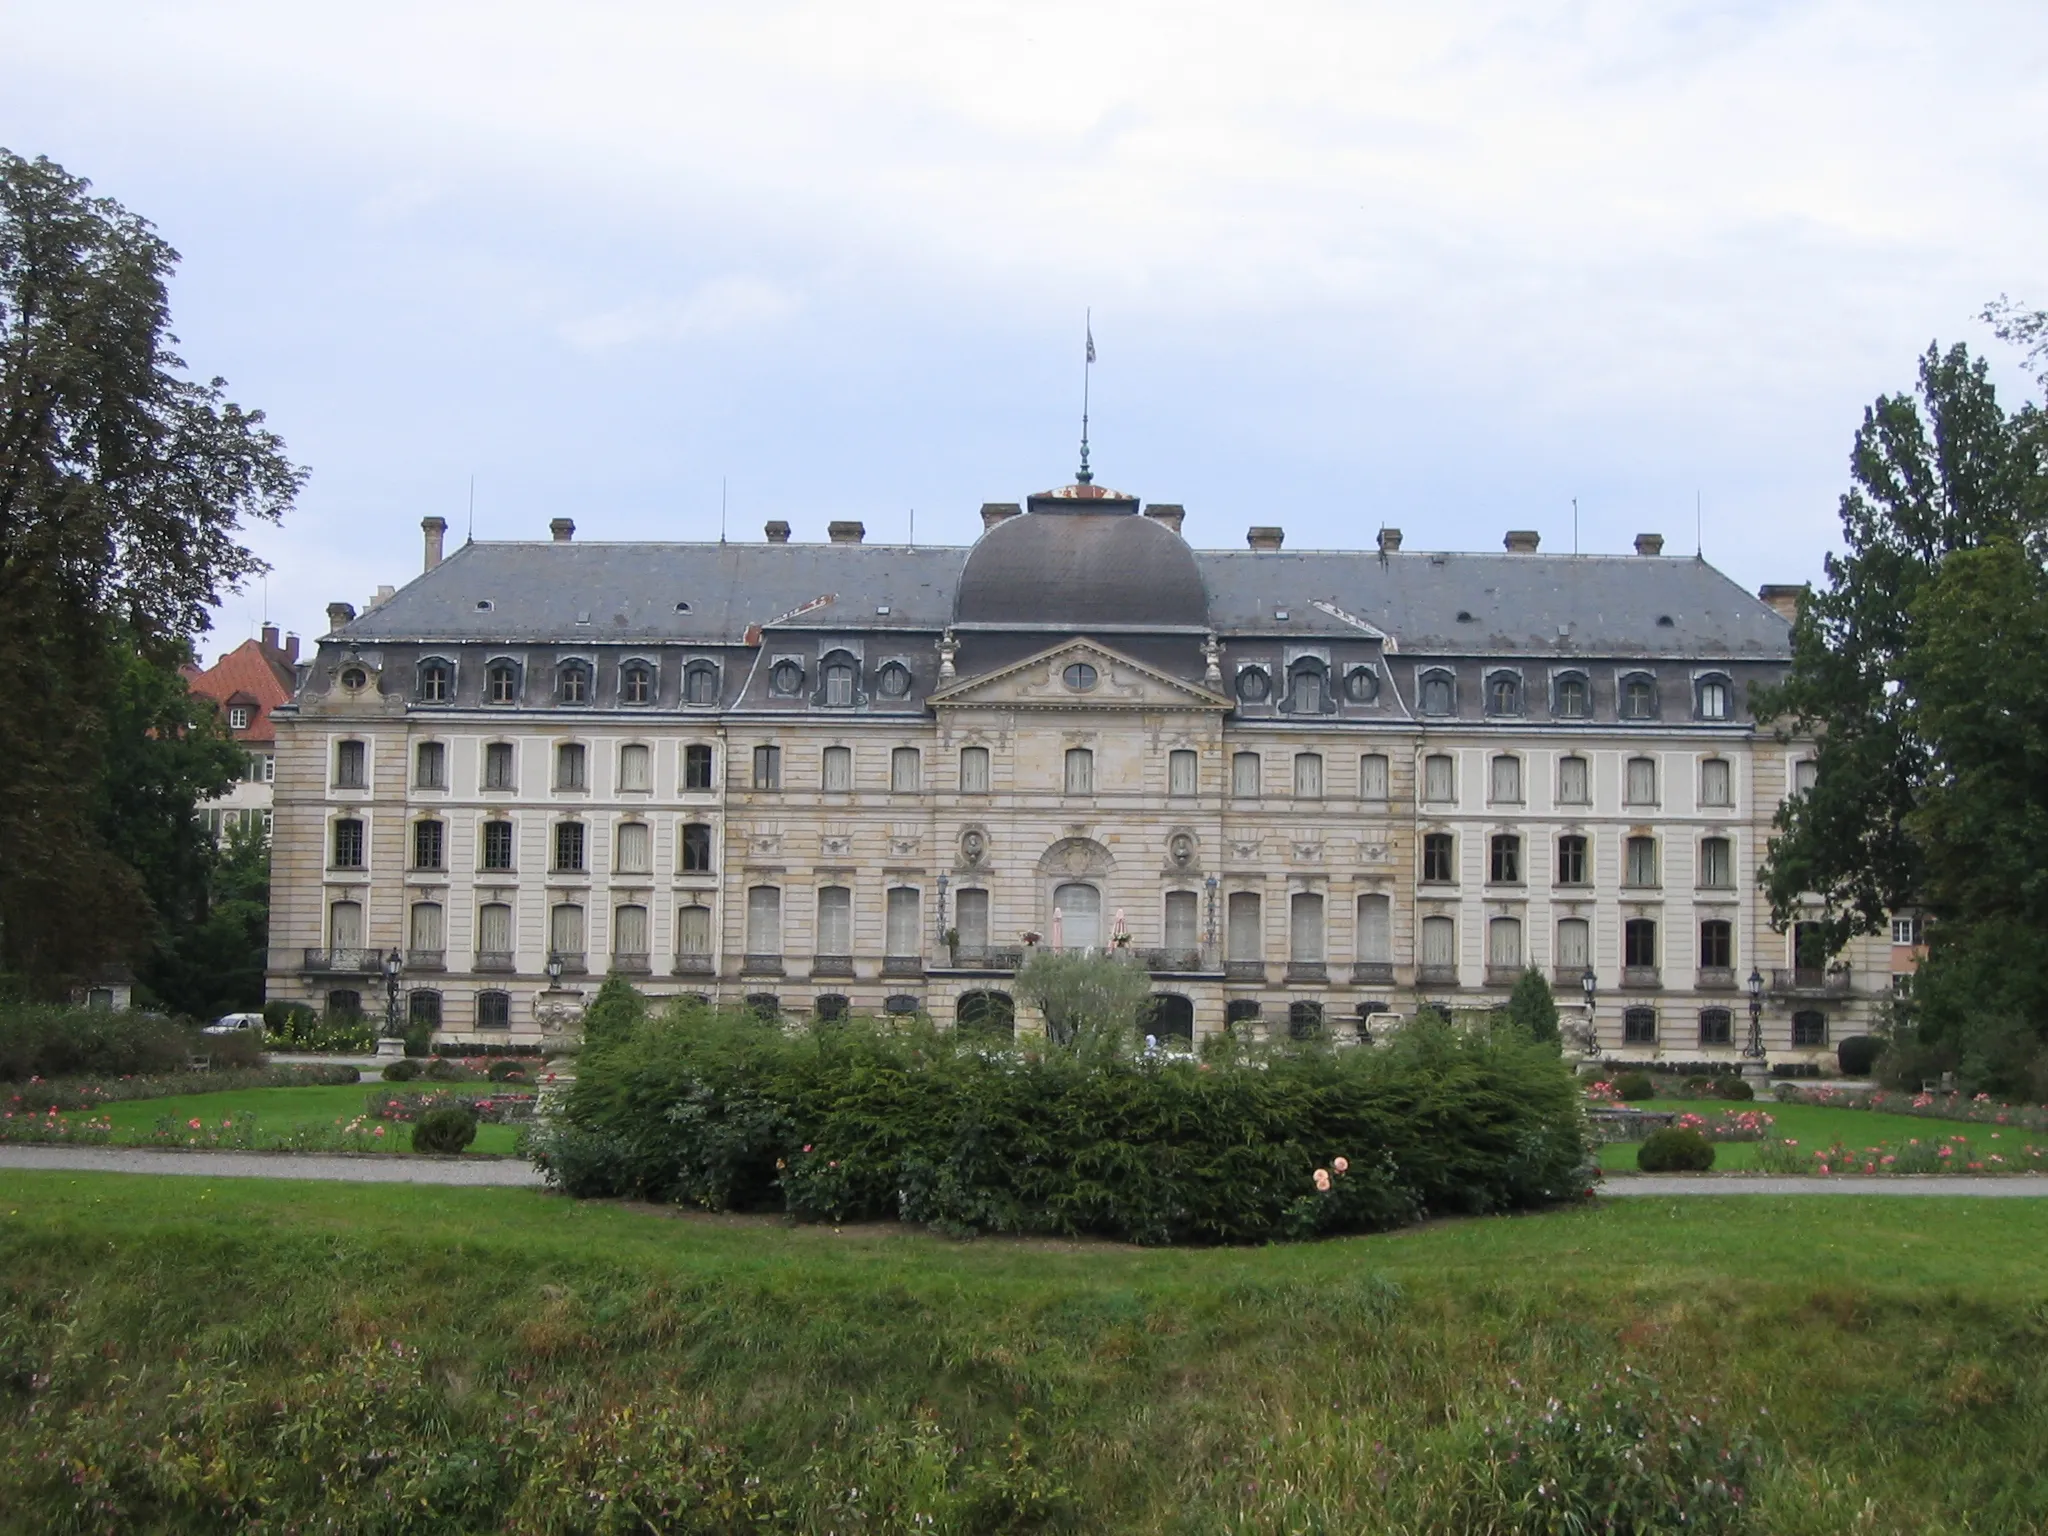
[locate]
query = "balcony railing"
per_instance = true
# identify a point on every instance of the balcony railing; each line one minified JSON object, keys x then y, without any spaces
{"x":426,"y":960}
{"x":902,"y":965}
{"x":1832,"y":982}
{"x":1172,"y":960}
{"x":1307,"y":971}
{"x":986,"y":958}
{"x":694,"y":965}
{"x":831,"y":965}
{"x":633,"y":962}
{"x":1372,"y":973}
{"x":573,"y":963}
{"x":1567,"y":976}
{"x":761,"y":965}
{"x":1436,"y":975}
{"x":1503,"y":975}
{"x":495,"y":960}
{"x":1717,"y":978}
{"x":1244,"y":970}
{"x":344,"y":962}
{"x":1636,"y":977}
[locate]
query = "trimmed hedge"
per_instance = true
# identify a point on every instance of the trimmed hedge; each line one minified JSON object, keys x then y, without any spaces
{"x":1675,"y":1150}
{"x":447,"y":1129}
{"x":1857,"y":1055}
{"x":90,"y":1092}
{"x":37,"y":1041}
{"x":1635,"y":1086}
{"x":865,"y":1121}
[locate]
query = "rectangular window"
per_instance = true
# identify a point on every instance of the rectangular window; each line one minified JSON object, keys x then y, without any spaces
{"x":1506,"y":788}
{"x":970,"y":916}
{"x":1717,"y":1026}
{"x":349,"y":758}
{"x":629,"y":931}
{"x":1809,"y":1029}
{"x":424,"y":933}
{"x":636,"y":767}
{"x":1717,"y":864}
{"x":568,"y":845}
{"x":1571,"y":859}
{"x":904,"y":906}
{"x":764,"y":920}
{"x":238,"y":717}
{"x":1180,"y":772}
{"x":1805,"y":775}
{"x":767,"y":767}
{"x":263,"y":768}
{"x":1504,"y":865}
{"x":835,"y":920}
{"x":494,"y":1010}
{"x":1717,"y":945}
{"x":1375,"y":929}
{"x":1905,"y":930}
{"x":1182,"y":921}
{"x":1244,"y":775}
{"x":906,"y":775}
{"x":1716,"y":782}
{"x":348,"y":844}
{"x":1641,"y":782}
{"x":1305,"y":928}
{"x":1574,"y":944}
{"x":1439,"y":861}
{"x":430,"y":765}
{"x":498,"y":766}
{"x":1080,"y":771}
{"x":1308,"y":775}
{"x":838,"y":770}
{"x":1639,"y":1026}
{"x":1372,"y":776}
{"x":696,"y":848}
{"x":494,"y":928}
{"x":693,"y":931}
{"x":345,"y":925}
{"x":1243,"y":934}
{"x":565,"y":930}
{"x":1439,"y":944}
{"x":426,"y":845}
{"x":1504,"y":944}
{"x":497,"y":845}
{"x":1641,"y":866}
{"x":974,"y":770}
{"x":636,"y":848}
{"x":1574,"y":783}
{"x":1439,"y":779}
{"x":571,"y":771}
{"x":696,"y":766}
{"x":1639,"y":944}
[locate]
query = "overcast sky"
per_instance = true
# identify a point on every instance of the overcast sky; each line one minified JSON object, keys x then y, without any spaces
{"x":1443,"y":267}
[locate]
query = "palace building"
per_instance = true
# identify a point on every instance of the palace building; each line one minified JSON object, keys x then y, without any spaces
{"x":1310,"y":786}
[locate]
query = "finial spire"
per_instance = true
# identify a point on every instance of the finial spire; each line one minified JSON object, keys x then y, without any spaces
{"x":1086,"y":475}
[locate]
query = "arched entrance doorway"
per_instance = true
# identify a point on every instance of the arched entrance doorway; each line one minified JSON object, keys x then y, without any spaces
{"x":986,"y":1013}
{"x":1173,"y":1019}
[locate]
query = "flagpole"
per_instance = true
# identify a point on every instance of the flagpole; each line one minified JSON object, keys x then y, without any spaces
{"x":1087,"y":363}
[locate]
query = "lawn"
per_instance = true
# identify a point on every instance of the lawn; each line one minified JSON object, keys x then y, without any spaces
{"x":405,"y":1358}
{"x":279,"y":1109}
{"x":1814,"y":1125}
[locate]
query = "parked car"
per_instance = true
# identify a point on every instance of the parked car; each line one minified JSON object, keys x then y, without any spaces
{"x":235,"y":1024}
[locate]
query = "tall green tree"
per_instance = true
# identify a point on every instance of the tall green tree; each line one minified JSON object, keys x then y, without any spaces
{"x":1534,"y":1007}
{"x":124,"y":487}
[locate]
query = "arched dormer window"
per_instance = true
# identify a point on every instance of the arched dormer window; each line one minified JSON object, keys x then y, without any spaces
{"x":1571,"y":696}
{"x":786,"y":678}
{"x":1713,"y":697}
{"x":572,"y":682}
{"x":1361,"y":685}
{"x":1638,"y":696}
{"x":1308,"y":687}
{"x":1504,"y":693}
{"x":700,"y":683}
{"x":1254,"y":685}
{"x":893,"y":681}
{"x":1438,"y":693}
{"x":501,"y":682}
{"x":636,"y":683}
{"x":838,"y":680}
{"x":436,"y":680}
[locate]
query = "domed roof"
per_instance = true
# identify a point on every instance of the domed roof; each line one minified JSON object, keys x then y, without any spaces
{"x":1085,"y":561}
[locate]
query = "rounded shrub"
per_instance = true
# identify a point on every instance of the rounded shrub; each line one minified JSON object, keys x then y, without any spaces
{"x":1733,"y":1088}
{"x":1631,"y":1086}
{"x":451,"y":1129}
{"x":507,"y":1072}
{"x":1857,"y":1055}
{"x":401,"y":1071}
{"x":1672,"y":1150}
{"x":442,"y":1070}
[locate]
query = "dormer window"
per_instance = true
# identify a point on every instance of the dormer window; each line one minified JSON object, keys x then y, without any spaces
{"x":893,"y":681}
{"x":839,"y":676}
{"x":1361,"y":685}
{"x":1439,"y":693}
{"x":574,"y":684}
{"x":436,"y":677}
{"x":1573,"y":697}
{"x":636,"y":683}
{"x":501,"y":683}
{"x":786,"y":679}
{"x":1503,"y":694}
{"x":700,"y":683}
{"x":1713,"y":698}
{"x":238,"y":717}
{"x":1254,"y":686}
{"x":1307,"y":688}
{"x":1638,"y":698}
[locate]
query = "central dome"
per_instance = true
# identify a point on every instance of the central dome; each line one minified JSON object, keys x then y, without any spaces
{"x":1082,"y":558}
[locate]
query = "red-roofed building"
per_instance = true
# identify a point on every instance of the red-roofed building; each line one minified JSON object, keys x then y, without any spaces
{"x":248,"y":682}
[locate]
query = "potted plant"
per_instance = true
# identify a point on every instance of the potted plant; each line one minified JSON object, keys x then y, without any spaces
{"x":952,"y":941}
{"x":1032,"y":938}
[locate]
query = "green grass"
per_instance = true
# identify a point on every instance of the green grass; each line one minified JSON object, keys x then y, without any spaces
{"x":1892,"y":1355}
{"x":279,"y":1109}
{"x":1818,"y":1126}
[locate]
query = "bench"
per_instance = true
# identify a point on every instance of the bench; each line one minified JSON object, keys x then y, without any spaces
{"x":198,"y":1063}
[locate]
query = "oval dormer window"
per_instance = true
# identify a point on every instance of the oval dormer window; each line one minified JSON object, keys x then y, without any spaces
{"x":893,"y":681}
{"x":1254,"y":686}
{"x":787,"y":678}
{"x":1361,"y":685}
{"x":1080,"y":677}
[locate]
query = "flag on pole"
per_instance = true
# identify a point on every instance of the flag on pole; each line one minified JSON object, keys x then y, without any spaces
{"x":1091,"y":341}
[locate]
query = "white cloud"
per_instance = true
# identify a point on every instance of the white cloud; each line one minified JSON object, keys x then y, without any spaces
{"x":722,"y":306}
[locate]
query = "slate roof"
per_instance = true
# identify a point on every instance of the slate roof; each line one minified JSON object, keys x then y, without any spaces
{"x":564,"y":593}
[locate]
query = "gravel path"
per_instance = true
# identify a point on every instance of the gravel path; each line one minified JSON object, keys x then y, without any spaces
{"x":368,"y":1168}
{"x":2019,"y":1187}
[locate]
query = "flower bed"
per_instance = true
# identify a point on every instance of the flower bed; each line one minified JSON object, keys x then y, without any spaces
{"x":1975,"y":1109}
{"x":238,"y":1133}
{"x":89,"y":1092}
{"x":489,"y":1108}
{"x":1728,"y":1125}
{"x":1956,"y":1154}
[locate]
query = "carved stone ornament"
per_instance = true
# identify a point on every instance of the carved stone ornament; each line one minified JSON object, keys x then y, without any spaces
{"x":835,"y":847}
{"x":973,"y":845}
{"x":1308,"y":853}
{"x":1243,"y":848}
{"x":1372,"y":853}
{"x":766,"y":842}
{"x":904,"y":846}
{"x":1181,"y":848}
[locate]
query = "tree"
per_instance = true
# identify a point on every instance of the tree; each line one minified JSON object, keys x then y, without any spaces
{"x":1532,"y":1007}
{"x":1085,"y":997}
{"x":215,"y":964}
{"x":123,"y":487}
{"x":614,"y":1012}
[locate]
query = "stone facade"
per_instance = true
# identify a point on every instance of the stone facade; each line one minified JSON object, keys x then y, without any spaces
{"x":1314,"y":787}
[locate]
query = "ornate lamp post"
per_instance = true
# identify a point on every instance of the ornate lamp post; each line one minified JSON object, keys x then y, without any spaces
{"x":1755,"y":1048}
{"x":393,"y":1041}
{"x":1590,"y":985}
{"x":554,"y":970}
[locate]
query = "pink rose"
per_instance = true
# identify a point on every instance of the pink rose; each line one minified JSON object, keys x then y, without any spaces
{"x":1342,"y":1165}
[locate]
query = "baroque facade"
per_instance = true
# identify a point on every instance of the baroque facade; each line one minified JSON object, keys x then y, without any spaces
{"x":1311,"y":787}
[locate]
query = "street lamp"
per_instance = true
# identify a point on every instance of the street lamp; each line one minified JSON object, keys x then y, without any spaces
{"x":394,"y":964}
{"x":1590,"y":984}
{"x":554,"y":971}
{"x":1755,"y":1048}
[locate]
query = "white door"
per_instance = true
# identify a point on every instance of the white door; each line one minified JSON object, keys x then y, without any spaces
{"x":1080,"y":909}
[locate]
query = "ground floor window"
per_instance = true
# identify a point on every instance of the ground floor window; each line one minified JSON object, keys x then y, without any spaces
{"x":344,"y":1003}
{"x":1717,"y":1026}
{"x":1173,"y":1018}
{"x":1240,"y":1010}
{"x":425,"y":1008}
{"x":1639,"y":1026}
{"x":1304,"y":1020}
{"x":765,"y":1004}
{"x":1809,"y":1027}
{"x":830,"y":1006}
{"x":494,"y":1010}
{"x":990,"y":1013}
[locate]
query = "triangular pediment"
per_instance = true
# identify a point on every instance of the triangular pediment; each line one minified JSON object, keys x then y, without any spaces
{"x":1039,"y":682}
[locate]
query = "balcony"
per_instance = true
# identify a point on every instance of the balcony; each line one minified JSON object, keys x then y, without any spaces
{"x":495,"y":960}
{"x":1503,"y":975}
{"x":1811,"y":981}
{"x":1307,"y":971}
{"x":903,"y":965}
{"x":573,"y":963}
{"x":694,"y":965}
{"x":1244,"y":970}
{"x":1717,"y":978}
{"x":1172,"y":961}
{"x":1573,"y":976}
{"x":831,"y":965}
{"x":1372,"y":973}
{"x":1635,"y":978}
{"x":1436,"y":975}
{"x":761,"y":965}
{"x":426,"y":960}
{"x":983,"y":958}
{"x":631,"y":962}
{"x":344,"y":962}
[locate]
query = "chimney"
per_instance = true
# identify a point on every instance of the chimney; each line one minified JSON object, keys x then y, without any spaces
{"x":993,"y":512}
{"x":1264,"y":538}
{"x":563,"y":528}
{"x":846,"y":533}
{"x":1167,"y":512}
{"x":777,"y":531}
{"x":1782,"y":600}
{"x":1522,"y":541}
{"x":270,"y":637}
{"x":1649,"y":543}
{"x":385,"y":592}
{"x":436,"y":530}
{"x":1390,"y":540}
{"x":339,"y":614}
{"x":291,"y":650}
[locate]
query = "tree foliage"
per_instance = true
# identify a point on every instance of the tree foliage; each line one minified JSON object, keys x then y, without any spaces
{"x":1532,"y":1006}
{"x":124,"y":485}
{"x":1085,"y":996}
{"x":614,"y":1012}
